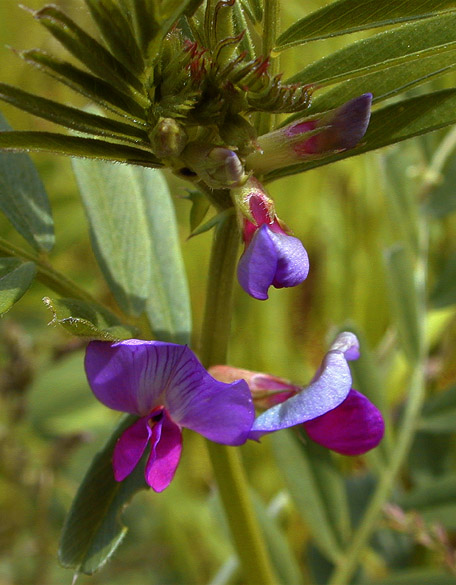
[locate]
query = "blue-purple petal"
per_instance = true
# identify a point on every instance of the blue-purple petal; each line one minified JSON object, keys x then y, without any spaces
{"x":130,"y":448}
{"x":221,"y":412}
{"x":165,"y":452}
{"x":328,"y":389}
{"x":272,"y":258}
{"x":352,"y":428}
{"x":133,"y":375}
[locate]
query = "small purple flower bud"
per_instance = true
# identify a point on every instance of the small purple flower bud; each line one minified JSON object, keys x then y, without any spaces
{"x":337,"y":130}
{"x":218,"y":167}
{"x":272,"y":256}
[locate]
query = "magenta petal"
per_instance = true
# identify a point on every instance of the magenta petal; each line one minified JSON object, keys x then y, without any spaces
{"x":130,"y":447}
{"x":328,"y":389}
{"x":352,"y":428}
{"x":132,"y":375}
{"x":272,"y":259}
{"x":221,"y":412}
{"x":166,"y":448}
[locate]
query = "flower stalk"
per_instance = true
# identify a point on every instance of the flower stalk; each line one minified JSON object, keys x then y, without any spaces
{"x":226,"y":461}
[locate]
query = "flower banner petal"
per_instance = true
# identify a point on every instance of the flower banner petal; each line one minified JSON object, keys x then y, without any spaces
{"x":352,"y":428}
{"x":132,"y":375}
{"x":329,"y":388}
{"x":223,"y":413}
{"x":166,"y":448}
{"x":129,"y":448}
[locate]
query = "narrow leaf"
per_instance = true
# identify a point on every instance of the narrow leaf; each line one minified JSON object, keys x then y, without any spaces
{"x":89,"y":51}
{"x":347,"y":16}
{"x":93,"y":529}
{"x":23,"y":198}
{"x":85,"y":319}
{"x":405,"y":300}
{"x":444,"y":293}
{"x":303,"y":476}
{"x":72,"y":117}
{"x":76,"y":146}
{"x":439,"y":413}
{"x":15,"y":279}
{"x":414,"y":577}
{"x":382,"y":51}
{"x":392,"y":124}
{"x":85,"y":83}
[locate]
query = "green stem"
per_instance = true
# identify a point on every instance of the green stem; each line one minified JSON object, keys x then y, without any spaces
{"x":351,"y":558}
{"x":226,"y":462}
{"x":46,"y":274}
{"x":271,"y":25}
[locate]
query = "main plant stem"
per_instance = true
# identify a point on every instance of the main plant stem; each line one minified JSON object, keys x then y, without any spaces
{"x":226,"y":461}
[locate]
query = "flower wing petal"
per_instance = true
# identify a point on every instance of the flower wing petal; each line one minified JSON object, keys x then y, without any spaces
{"x":131,"y":375}
{"x":221,"y":412}
{"x":329,"y":388}
{"x":292,"y":261}
{"x":258,"y":264}
{"x":352,"y":428}
{"x":166,"y":448}
{"x":129,"y":448}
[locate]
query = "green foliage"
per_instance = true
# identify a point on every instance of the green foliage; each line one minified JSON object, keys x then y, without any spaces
{"x":15,"y":279}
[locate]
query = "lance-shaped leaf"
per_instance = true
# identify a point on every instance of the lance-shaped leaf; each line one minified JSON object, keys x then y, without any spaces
{"x":93,"y":529}
{"x":117,"y":31}
{"x":89,"y":51}
{"x":85,"y":319}
{"x":347,"y":16}
{"x":382,"y":51}
{"x":98,"y":90}
{"x":392,"y":124}
{"x":23,"y":199}
{"x":72,"y":118}
{"x":76,"y":146}
{"x":15,"y":279}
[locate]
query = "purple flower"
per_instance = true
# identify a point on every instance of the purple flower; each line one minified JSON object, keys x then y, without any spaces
{"x":272,"y":256}
{"x":167,"y":387}
{"x":332,"y":413}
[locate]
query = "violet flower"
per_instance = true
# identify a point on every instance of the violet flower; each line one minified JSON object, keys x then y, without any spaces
{"x":312,"y":138}
{"x":271,"y":256}
{"x":332,"y":413}
{"x":166,"y":386}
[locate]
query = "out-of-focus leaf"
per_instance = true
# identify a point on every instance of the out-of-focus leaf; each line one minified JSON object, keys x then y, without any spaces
{"x":347,"y":16}
{"x":72,"y":117}
{"x":414,"y":577}
{"x":410,"y":42}
{"x":89,"y":51}
{"x":76,"y":146}
{"x":23,"y":199}
{"x":316,"y":489}
{"x":85,"y":83}
{"x":405,"y":300}
{"x":86,"y":319}
{"x":442,"y":199}
{"x":439,"y":413}
{"x":15,"y":279}
{"x":444,"y":293}
{"x":93,"y":529}
{"x":430,"y":457}
{"x":389,"y":125}
{"x":200,"y":206}
{"x":117,"y":32}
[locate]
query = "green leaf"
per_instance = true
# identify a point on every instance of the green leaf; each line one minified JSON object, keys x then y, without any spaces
{"x":444,"y":293}
{"x":98,"y":90}
{"x":135,"y":240}
{"x":15,"y":279}
{"x":117,"y":33}
{"x":439,"y":413}
{"x":442,"y":198}
{"x":200,"y":207}
{"x":85,"y":319}
{"x":76,"y":146}
{"x":380,"y":52}
{"x":348,"y":16}
{"x":391,"y":124}
{"x":89,"y":51}
{"x":404,"y":299}
{"x":23,"y":198}
{"x":72,"y":117}
{"x":93,"y":529}
{"x":414,"y":577}
{"x":316,"y":489}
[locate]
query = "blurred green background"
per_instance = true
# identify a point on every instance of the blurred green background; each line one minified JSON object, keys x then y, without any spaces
{"x":50,"y":427}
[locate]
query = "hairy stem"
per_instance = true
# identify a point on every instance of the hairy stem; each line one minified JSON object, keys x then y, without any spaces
{"x":226,"y":461}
